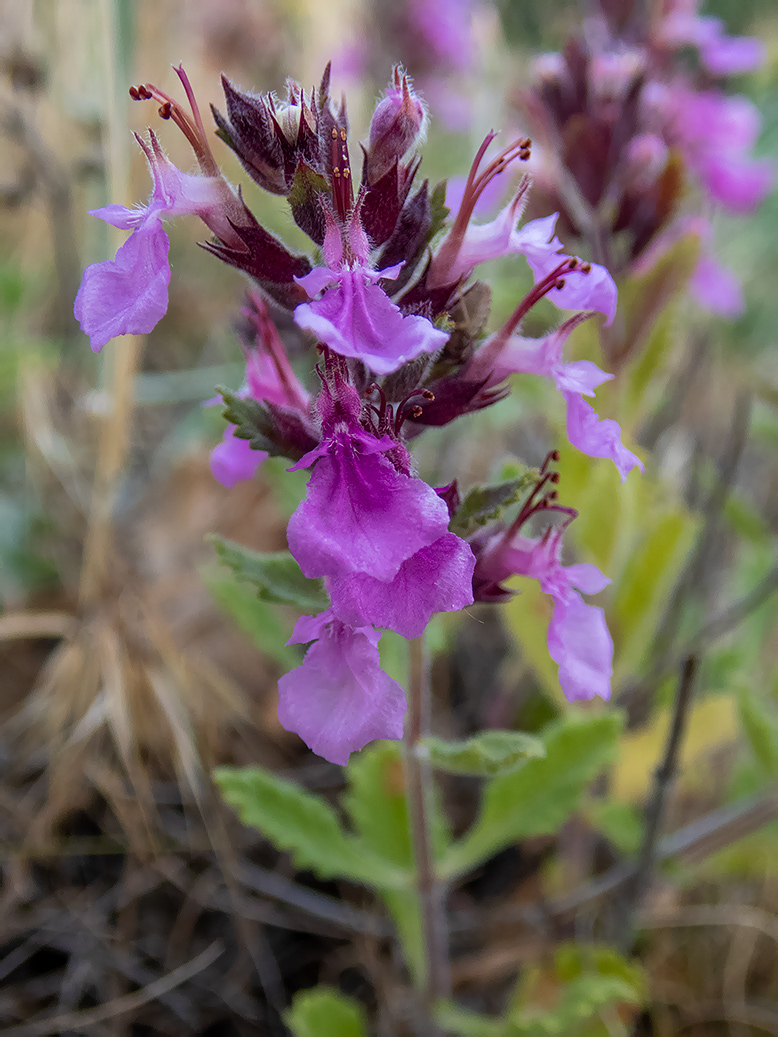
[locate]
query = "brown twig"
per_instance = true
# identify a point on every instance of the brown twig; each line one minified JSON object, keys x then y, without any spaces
{"x":640,"y":880}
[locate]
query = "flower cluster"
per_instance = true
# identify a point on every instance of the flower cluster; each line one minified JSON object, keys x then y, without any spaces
{"x":627,"y":117}
{"x":387,"y":546}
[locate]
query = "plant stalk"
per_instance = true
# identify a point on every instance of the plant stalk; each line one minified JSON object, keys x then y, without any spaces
{"x":436,"y":979}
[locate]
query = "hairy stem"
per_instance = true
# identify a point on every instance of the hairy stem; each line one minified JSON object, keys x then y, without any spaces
{"x":420,"y":806}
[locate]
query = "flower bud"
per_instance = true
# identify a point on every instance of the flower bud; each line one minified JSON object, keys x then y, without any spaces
{"x":398,"y":122}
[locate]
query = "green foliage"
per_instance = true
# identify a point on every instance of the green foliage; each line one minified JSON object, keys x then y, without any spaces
{"x":377,"y":805}
{"x":438,"y":210}
{"x":537,"y":799}
{"x":586,"y":984}
{"x":622,"y":823}
{"x":324,"y":1012}
{"x":489,"y":753}
{"x":647,"y":581}
{"x":254,"y":422}
{"x":304,"y":825}
{"x":761,"y":729}
{"x":645,"y":303}
{"x":486,"y":502}
{"x":260,"y":620}
{"x":276,"y":576}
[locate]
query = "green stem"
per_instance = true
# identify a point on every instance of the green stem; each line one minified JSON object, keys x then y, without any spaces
{"x":436,"y":979}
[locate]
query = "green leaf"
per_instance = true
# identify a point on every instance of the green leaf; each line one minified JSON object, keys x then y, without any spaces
{"x":486,"y":502}
{"x":260,"y":620}
{"x":304,"y":825}
{"x":537,"y":799}
{"x":489,"y":753}
{"x":761,"y":729}
{"x":323,"y":1012}
{"x":276,"y":575}
{"x":590,"y":981}
{"x":254,"y":422}
{"x":453,"y":1019}
{"x":377,"y":805}
{"x":438,"y":209}
{"x":646,"y":582}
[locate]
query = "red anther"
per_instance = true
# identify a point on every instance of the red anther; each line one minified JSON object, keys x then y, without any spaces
{"x":560,"y":283}
{"x":416,"y":412}
{"x":572,"y":262}
{"x":555,"y":455}
{"x":552,"y":496}
{"x":554,"y":477}
{"x":165,"y":110}
{"x":145,"y":93}
{"x":526,"y":143}
{"x":134,"y":93}
{"x":428,"y":394}
{"x":525,"y":154}
{"x":586,"y":268}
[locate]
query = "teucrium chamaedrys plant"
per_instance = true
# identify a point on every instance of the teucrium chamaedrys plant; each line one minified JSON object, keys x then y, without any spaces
{"x":373,"y":546}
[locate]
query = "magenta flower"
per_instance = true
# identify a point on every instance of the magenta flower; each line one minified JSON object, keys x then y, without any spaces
{"x":597,"y":437}
{"x":715,"y":134}
{"x":360,"y":515}
{"x":269,"y":378}
{"x":438,"y":578}
{"x":589,"y":434}
{"x":578,"y":637}
{"x":588,"y":286}
{"x":716,"y":288}
{"x":720,"y":54}
{"x":128,"y":295}
{"x":355,"y":317}
{"x":233,"y":460}
{"x":339,"y":699}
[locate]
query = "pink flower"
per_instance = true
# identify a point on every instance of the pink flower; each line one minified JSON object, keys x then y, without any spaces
{"x":588,"y":286}
{"x":578,"y":637}
{"x":360,"y":514}
{"x":339,"y":699}
{"x":269,"y":378}
{"x":128,"y":295}
{"x":589,"y":434}
{"x":438,"y":578}
{"x":233,"y":460}
{"x":716,"y":288}
{"x":355,"y":317}
{"x":715,"y":134}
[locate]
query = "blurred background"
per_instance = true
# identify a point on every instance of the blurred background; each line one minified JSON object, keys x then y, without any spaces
{"x":131,"y":663}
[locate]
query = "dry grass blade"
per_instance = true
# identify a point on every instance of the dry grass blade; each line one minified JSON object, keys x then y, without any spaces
{"x":120,"y":1005}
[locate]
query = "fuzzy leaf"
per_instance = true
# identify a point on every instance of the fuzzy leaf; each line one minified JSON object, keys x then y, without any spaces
{"x":538,"y":798}
{"x":304,"y":193}
{"x":486,"y":502}
{"x":489,"y":753}
{"x":276,"y":575}
{"x":323,"y":1012}
{"x":277,"y":430}
{"x":304,"y":825}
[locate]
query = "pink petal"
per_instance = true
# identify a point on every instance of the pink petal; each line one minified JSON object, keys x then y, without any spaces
{"x":439,"y":578}
{"x":360,"y":320}
{"x":597,"y":437}
{"x":580,"y":643}
{"x":127,"y":295}
{"x":233,"y":460}
{"x":361,"y":515}
{"x":339,"y":699}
